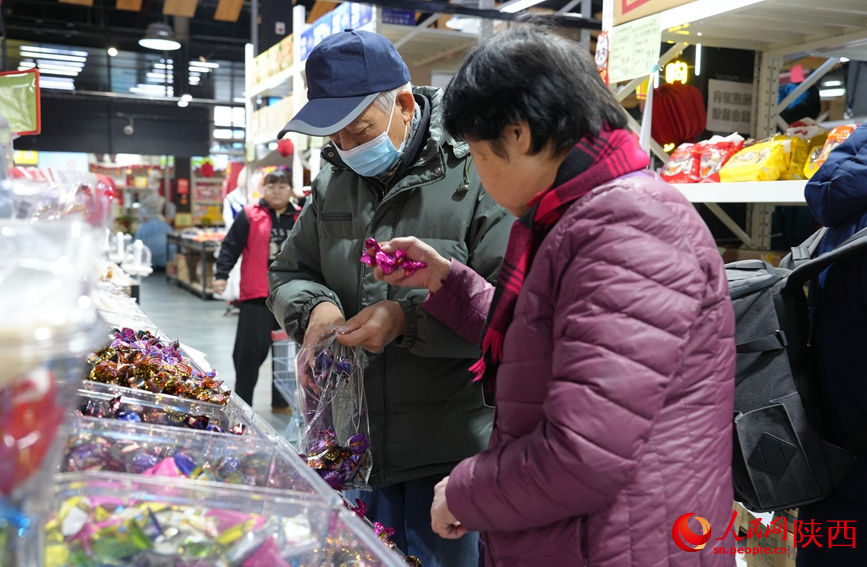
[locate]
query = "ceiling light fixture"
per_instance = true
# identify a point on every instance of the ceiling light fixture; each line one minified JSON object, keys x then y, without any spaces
{"x":518,"y":5}
{"x":58,"y":83}
{"x":112,"y":52}
{"x":832,"y":93}
{"x":34,"y":49}
{"x":161,"y":37}
{"x":832,"y":84}
{"x":53,"y":57}
{"x":204,"y":64}
{"x":183,"y":103}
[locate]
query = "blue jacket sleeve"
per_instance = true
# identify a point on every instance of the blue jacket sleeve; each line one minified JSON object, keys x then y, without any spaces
{"x":838,"y":191}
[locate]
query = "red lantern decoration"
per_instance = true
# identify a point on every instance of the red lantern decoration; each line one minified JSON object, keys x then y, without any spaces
{"x":207,"y":169}
{"x":285,"y":147}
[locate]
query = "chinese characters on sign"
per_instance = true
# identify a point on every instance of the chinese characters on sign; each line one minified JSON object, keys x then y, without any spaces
{"x":729,"y":106}
{"x":634,"y":49}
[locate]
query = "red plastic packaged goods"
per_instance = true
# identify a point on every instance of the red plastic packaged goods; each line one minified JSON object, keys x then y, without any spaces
{"x":713,"y":155}
{"x":682,"y":166}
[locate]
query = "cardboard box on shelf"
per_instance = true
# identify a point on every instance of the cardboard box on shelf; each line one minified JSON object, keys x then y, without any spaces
{"x":772,"y":257}
{"x":183,"y":269}
{"x":774,"y":541}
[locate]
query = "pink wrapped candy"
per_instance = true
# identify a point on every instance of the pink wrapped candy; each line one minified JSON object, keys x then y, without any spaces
{"x":388,"y":262}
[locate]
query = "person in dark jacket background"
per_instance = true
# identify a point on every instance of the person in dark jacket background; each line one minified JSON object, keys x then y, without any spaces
{"x":258,"y":232}
{"x":837,"y":196}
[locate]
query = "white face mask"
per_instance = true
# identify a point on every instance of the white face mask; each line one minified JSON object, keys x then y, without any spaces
{"x":376,"y":156}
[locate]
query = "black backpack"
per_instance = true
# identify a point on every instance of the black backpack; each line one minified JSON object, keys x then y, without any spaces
{"x":781,"y":459}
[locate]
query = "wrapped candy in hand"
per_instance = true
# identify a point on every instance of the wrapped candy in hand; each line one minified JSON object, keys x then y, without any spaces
{"x":388,"y":262}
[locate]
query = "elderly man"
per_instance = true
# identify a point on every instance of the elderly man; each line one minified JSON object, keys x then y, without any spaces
{"x":394,"y":171}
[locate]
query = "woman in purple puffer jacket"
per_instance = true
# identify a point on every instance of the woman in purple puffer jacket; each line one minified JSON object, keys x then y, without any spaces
{"x":608,"y":338}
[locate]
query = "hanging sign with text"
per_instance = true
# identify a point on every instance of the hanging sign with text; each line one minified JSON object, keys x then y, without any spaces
{"x":634,"y":49}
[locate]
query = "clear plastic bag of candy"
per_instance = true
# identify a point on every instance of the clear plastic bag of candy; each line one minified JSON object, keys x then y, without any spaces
{"x":336,"y":437}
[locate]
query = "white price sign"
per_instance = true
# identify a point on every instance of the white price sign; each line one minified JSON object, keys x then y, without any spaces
{"x":635,"y":49}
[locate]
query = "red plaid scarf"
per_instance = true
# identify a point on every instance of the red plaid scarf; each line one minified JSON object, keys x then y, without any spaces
{"x":591,"y":163}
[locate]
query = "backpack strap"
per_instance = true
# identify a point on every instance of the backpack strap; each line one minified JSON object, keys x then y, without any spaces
{"x":775,"y":341}
{"x":854,"y":245}
{"x":805,"y":251}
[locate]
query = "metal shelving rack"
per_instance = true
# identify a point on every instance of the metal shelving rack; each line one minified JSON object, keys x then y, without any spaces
{"x":775,"y":29}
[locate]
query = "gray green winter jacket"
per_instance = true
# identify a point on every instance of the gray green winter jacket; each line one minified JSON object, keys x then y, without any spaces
{"x":425,"y":414}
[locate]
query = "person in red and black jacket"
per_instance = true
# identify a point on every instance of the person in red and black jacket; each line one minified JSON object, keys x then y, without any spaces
{"x":258,"y":232}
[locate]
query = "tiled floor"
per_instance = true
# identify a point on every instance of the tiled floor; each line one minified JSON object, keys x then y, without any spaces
{"x":204,"y":326}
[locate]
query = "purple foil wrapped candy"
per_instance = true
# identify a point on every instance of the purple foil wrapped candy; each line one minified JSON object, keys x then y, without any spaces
{"x":196,"y":421}
{"x":344,"y":367}
{"x":388,"y":262}
{"x":358,"y":443}
{"x":142,"y":462}
{"x":333,"y":479}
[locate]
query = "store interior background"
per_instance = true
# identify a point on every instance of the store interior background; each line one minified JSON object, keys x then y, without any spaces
{"x":175,"y":123}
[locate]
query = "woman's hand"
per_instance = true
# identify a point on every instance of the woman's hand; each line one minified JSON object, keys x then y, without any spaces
{"x":219,"y":286}
{"x":430,"y":277}
{"x":441,"y":519}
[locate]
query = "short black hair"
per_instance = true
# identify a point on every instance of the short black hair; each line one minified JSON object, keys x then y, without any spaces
{"x":278,"y":176}
{"x":529,"y":73}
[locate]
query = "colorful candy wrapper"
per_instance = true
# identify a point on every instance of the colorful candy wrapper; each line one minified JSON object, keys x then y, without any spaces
{"x":335,"y":441}
{"x":388,"y":262}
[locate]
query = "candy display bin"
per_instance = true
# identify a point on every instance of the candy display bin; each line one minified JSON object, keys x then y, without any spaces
{"x":168,"y":411}
{"x":32,"y":408}
{"x":351,"y":542}
{"x":148,"y":522}
{"x":113,"y":446}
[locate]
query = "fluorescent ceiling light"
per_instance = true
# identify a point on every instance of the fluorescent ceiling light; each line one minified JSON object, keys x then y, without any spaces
{"x":204,"y":64}
{"x":57,"y":84}
{"x":160,"y":37}
{"x":518,"y":5}
{"x":59,"y":64}
{"x":183,"y":103}
{"x":199,"y":69}
{"x":163,"y":66}
{"x":832,"y":93}
{"x":34,"y":49}
{"x":195,"y":74}
{"x":160,"y":76}
{"x":239,"y":99}
{"x":112,"y":52}
{"x":832,"y":84}
{"x":187,"y":97}
{"x":64,"y":73}
{"x":73,"y":58}
{"x":697,"y":59}
{"x":26,"y":65}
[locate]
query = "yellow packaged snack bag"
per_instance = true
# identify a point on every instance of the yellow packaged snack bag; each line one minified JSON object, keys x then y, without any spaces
{"x":800,"y":153}
{"x":812,"y":165}
{"x":764,"y":161}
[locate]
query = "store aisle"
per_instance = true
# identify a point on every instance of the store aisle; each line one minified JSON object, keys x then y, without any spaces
{"x":204,"y":326}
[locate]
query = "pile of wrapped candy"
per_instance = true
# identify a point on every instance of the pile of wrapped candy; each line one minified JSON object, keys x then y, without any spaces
{"x":94,"y":452}
{"x":388,"y":262}
{"x":142,"y":361}
{"x":113,"y":531}
{"x":342,"y":467}
{"x":116,"y":409}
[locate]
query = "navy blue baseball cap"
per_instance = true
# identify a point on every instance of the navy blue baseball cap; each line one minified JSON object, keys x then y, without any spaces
{"x":345,"y":73}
